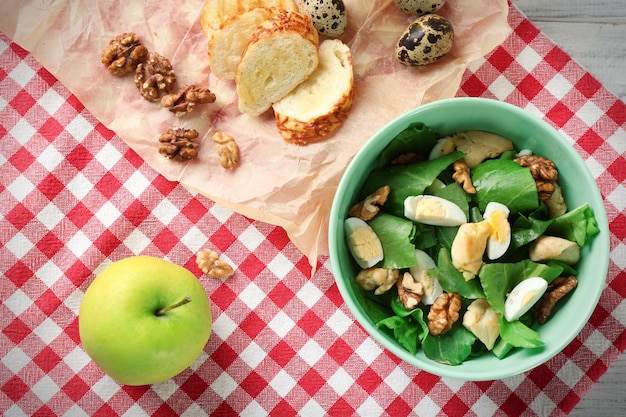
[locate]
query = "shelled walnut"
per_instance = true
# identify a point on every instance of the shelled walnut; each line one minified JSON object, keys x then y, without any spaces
{"x":370,"y":206}
{"x":409,"y":291}
{"x":227,"y":149}
{"x":543,"y":171}
{"x":443,"y":313}
{"x":154,"y":77}
{"x":557,"y":289}
{"x":178,"y":144}
{"x":210,"y":263}
{"x":185,"y":100}
{"x":123,"y":54}
{"x":407,"y":158}
{"x":462,"y":176}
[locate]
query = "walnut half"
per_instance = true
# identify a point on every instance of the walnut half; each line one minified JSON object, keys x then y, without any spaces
{"x":557,"y":289}
{"x":462,"y":176}
{"x":185,"y":100}
{"x":123,"y":54}
{"x":444,"y":313}
{"x":369,"y":207}
{"x":210,"y":263}
{"x":178,"y":144}
{"x":154,"y":77}
{"x":409,"y":291}
{"x":227,"y":149}
{"x":543,"y":171}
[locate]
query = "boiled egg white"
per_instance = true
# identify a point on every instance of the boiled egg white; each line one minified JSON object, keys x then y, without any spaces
{"x":363,"y":243}
{"x":432,"y":210}
{"x":523,"y":297}
{"x":496,"y":214}
{"x":419,"y":271}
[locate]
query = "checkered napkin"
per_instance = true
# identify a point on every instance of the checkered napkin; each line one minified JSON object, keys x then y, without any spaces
{"x":73,"y":197}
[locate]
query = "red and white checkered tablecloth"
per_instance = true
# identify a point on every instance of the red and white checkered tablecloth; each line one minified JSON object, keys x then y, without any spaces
{"x":73,"y":197}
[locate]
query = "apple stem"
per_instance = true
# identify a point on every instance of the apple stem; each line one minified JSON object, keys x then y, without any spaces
{"x":173,"y":306}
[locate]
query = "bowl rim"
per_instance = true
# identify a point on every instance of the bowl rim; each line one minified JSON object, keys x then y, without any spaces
{"x":374,"y":145}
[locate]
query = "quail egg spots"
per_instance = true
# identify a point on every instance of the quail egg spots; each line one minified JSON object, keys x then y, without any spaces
{"x":428,"y":39}
{"x":327,"y":16}
{"x":419,"y":7}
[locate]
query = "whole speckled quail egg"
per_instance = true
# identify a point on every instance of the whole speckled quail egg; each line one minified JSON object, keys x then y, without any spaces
{"x":428,"y":39}
{"x":419,"y":7}
{"x":328,"y":16}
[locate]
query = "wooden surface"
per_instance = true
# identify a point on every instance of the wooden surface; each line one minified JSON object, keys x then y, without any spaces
{"x":594,"y":34}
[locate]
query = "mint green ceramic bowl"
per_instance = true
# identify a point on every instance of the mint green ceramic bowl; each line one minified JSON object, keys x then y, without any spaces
{"x":527,"y":132}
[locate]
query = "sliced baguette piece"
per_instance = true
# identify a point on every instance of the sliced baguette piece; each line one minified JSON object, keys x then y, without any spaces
{"x":282,"y":53}
{"x":215,"y":12}
{"x":228,"y":44}
{"x":321,"y":103}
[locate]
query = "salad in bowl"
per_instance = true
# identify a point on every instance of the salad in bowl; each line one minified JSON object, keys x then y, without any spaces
{"x":468,"y":237}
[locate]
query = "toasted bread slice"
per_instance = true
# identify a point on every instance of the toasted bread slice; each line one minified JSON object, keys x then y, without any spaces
{"x":282,"y":54}
{"x":228,"y":44}
{"x":215,"y":12}
{"x":321,"y":103}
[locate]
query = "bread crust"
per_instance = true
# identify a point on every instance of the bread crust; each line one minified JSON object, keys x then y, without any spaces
{"x":282,"y":53}
{"x":322,"y":103}
{"x":215,"y":12}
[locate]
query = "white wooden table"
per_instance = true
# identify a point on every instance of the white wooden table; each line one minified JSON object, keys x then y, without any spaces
{"x":594,"y":34}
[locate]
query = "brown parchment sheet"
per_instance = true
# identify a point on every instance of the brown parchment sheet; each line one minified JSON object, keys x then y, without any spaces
{"x":276,"y":182}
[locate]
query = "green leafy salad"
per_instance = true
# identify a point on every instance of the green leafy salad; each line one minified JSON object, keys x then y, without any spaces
{"x":465,"y":244}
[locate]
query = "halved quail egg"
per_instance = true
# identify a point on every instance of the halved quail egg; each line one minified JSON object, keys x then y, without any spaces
{"x":443,"y":146}
{"x":496,"y":214}
{"x":523,"y":297}
{"x":419,"y":271}
{"x":433,"y":210}
{"x":363,"y":243}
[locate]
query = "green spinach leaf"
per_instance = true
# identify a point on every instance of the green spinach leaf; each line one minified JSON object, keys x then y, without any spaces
{"x":452,"y":280}
{"x":575,"y":225}
{"x":406,"y":180}
{"x":417,"y":138}
{"x":498,"y":279}
{"x":452,"y":347}
{"x":506,"y":182}
{"x":517,"y":334}
{"x":396,"y":234}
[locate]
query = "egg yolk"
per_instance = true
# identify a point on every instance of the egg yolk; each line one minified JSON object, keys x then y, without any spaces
{"x":430,"y":210}
{"x":363,"y":242}
{"x":499,"y":225}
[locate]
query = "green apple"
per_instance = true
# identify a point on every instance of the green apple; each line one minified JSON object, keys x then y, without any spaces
{"x":144,"y":320}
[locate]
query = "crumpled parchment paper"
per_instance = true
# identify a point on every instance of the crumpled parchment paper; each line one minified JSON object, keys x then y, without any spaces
{"x":276,"y":182}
